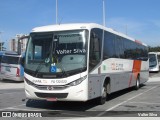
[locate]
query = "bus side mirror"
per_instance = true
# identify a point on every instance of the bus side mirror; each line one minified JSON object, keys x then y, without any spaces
{"x":56,"y":39}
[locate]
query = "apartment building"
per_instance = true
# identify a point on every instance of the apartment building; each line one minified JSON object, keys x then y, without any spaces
{"x":13,"y":43}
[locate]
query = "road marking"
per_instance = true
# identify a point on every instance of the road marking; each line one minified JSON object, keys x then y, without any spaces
{"x":102,"y":113}
{"x":144,"y":103}
{"x":12,"y":107}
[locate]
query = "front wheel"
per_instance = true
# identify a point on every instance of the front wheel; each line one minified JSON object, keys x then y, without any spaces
{"x":102,"y":99}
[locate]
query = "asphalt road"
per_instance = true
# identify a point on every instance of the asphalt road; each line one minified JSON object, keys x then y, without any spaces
{"x":154,"y":74}
{"x":128,"y":102}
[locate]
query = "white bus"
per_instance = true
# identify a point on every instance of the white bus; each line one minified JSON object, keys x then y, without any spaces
{"x":154,"y":61}
{"x":80,"y":62}
{"x":11,"y":68}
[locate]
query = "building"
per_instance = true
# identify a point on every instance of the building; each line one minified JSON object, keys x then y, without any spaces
{"x":13,"y":43}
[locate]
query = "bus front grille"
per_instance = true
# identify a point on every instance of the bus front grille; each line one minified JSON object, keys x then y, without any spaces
{"x":51,"y":95}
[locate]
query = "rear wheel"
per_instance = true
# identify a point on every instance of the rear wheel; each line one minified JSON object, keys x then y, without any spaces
{"x":137,"y":83}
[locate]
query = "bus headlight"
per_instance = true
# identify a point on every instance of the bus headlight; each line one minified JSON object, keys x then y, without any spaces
{"x":78,"y":81}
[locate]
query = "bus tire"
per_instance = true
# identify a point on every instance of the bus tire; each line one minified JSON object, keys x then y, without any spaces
{"x":102,"y":99}
{"x":137,"y":83}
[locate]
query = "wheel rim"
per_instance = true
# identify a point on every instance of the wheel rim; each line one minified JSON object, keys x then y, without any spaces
{"x":137,"y":83}
{"x":104,"y":95}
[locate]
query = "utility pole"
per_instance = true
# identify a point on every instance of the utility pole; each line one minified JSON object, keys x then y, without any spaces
{"x":56,"y":11}
{"x":104,"y":13}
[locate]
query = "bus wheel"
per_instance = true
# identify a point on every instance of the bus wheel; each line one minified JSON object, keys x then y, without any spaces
{"x":137,"y":83}
{"x":103,"y":98}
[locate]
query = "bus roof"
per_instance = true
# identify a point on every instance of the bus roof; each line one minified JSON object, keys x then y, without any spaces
{"x":79,"y":26}
{"x":12,"y":53}
{"x":158,"y":53}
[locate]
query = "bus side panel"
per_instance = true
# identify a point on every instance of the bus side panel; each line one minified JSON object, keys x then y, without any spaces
{"x":120,"y":72}
{"x":123,"y":73}
{"x":94,"y":86}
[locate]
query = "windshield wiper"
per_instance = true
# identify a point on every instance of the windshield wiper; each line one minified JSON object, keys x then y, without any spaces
{"x":38,"y":69}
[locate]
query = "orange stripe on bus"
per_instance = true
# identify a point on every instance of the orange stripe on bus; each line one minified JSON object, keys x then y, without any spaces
{"x":135,"y":70}
{"x":139,"y":42}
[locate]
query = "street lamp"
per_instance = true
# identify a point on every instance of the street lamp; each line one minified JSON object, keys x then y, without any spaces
{"x":104,"y":13}
{"x":56,"y":11}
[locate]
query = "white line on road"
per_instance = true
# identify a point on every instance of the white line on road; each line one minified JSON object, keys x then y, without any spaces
{"x":145,"y":103}
{"x":12,"y":107}
{"x":102,"y":113}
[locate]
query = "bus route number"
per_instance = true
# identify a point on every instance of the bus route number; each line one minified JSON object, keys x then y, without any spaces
{"x":59,"y":81}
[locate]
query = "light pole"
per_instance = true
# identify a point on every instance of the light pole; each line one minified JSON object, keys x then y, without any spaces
{"x":56,"y":11}
{"x":104,"y":13}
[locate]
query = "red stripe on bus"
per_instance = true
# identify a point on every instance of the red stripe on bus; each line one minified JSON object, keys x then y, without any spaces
{"x":135,"y":70}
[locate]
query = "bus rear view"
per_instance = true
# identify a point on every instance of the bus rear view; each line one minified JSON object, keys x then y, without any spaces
{"x":11,"y":69}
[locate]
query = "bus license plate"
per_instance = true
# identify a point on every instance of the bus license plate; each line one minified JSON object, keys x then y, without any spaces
{"x":52,"y":99}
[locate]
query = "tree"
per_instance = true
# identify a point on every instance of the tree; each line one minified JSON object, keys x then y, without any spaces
{"x":154,"y":49}
{"x":2,"y":48}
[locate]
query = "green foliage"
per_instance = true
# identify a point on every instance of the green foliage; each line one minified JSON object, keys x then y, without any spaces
{"x":2,"y":48}
{"x":154,"y":49}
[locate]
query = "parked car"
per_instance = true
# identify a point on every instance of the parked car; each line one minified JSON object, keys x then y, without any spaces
{"x":11,"y":67}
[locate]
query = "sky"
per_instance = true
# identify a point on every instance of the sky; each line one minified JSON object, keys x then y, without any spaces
{"x":139,"y":19}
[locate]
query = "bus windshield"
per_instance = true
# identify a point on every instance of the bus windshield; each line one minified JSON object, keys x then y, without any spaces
{"x":58,"y":53}
{"x":152,"y":60}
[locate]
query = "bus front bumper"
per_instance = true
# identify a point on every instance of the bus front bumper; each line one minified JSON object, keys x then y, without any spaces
{"x":72,"y":93}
